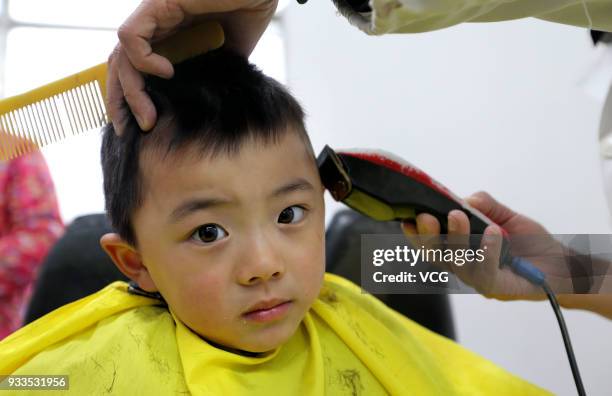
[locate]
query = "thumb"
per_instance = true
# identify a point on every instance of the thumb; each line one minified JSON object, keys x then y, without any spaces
{"x":494,"y":210}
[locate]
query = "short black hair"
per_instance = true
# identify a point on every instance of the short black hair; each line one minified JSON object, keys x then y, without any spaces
{"x":213,"y":103}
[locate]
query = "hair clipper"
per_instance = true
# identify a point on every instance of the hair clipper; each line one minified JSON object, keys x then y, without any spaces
{"x":386,"y":188}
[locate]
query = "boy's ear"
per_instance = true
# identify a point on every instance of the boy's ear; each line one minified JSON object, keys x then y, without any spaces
{"x":128,"y":260}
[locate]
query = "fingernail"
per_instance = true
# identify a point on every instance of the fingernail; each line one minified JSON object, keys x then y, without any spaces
{"x":492,"y":230}
{"x":452,"y":223}
{"x":474,"y":200}
{"x":139,"y":121}
{"x":421,"y":225}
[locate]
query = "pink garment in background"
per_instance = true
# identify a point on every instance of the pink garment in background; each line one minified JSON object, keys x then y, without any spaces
{"x":29,"y":225}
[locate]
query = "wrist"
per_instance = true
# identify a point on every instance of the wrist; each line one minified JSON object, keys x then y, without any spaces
{"x":569,"y":301}
{"x":596,"y":303}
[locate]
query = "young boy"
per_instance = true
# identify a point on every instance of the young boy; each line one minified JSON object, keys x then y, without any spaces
{"x":219,"y":216}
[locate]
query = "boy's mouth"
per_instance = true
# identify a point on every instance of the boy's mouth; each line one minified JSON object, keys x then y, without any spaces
{"x":269,"y":310}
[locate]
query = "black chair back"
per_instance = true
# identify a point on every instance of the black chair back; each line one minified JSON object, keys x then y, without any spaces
{"x":75,"y":267}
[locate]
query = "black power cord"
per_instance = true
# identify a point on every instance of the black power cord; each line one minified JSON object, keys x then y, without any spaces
{"x":566,"y":339}
{"x":528,"y":271}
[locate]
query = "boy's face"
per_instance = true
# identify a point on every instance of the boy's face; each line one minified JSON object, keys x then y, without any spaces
{"x":235,"y":243}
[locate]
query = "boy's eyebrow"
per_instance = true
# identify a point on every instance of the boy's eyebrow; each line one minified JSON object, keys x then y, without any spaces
{"x":295,"y":185}
{"x":194,"y":205}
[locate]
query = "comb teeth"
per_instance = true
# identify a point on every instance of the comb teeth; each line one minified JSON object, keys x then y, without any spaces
{"x":50,"y":120}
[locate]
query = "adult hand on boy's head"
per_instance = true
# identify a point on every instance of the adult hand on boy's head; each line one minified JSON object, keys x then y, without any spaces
{"x":486,"y":277}
{"x":243,"y":21}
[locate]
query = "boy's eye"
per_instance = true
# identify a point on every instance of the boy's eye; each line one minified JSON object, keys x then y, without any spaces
{"x":209,"y":233}
{"x":292,"y":214}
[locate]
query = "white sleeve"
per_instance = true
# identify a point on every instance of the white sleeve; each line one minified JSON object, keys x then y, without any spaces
{"x":412,"y":16}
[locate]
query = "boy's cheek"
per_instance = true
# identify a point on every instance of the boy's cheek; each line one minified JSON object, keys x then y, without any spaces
{"x":311,"y":259}
{"x":171,"y":272}
{"x":196,"y":296}
{"x":193,"y":297}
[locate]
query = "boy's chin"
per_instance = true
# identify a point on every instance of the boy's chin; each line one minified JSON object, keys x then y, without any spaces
{"x":261,"y":345}
{"x":253,"y":344}
{"x":253,"y":349}
{"x":264,"y":347}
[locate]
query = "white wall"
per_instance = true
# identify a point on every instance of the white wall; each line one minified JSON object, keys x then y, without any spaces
{"x":489,"y":106}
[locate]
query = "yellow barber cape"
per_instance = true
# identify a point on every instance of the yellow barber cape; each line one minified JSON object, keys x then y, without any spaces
{"x":349,"y":343}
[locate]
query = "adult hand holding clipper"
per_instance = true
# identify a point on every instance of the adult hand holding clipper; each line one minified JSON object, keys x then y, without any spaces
{"x":385,"y":187}
{"x":487,"y":277}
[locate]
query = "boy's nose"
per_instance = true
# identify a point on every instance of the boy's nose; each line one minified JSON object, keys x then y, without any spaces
{"x":261,"y":263}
